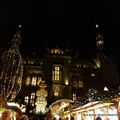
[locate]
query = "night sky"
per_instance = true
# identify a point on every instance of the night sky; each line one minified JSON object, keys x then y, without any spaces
{"x":60,"y":23}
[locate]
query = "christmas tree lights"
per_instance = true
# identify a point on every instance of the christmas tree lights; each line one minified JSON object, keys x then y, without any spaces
{"x":11,"y":69}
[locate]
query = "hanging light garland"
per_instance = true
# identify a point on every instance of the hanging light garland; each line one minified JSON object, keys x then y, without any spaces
{"x":94,"y":95}
{"x":11,"y":69}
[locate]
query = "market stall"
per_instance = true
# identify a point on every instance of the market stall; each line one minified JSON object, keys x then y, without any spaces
{"x":8,"y":112}
{"x":93,"y":110}
{"x":96,"y":106}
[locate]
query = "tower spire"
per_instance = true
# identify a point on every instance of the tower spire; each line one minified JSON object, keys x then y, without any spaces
{"x":16,"y":40}
{"x":99,"y":39}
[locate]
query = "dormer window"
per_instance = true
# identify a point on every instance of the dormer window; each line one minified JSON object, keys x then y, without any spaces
{"x":56,"y":51}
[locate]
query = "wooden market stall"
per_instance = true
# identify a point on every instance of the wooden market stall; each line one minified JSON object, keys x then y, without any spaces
{"x":94,"y":110}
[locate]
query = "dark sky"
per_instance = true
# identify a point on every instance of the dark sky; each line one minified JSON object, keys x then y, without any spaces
{"x":60,"y":22}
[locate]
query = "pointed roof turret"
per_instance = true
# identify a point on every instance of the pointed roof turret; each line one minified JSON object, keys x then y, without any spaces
{"x":99,"y":39}
{"x":16,"y":40}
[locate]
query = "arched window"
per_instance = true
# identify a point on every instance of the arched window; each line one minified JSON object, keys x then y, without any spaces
{"x":32,"y":99}
{"x":34,"y":81}
{"x":56,"y":73}
{"x":80,"y":84}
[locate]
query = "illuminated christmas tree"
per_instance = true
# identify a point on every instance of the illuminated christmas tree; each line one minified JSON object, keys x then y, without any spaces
{"x":11,"y":69}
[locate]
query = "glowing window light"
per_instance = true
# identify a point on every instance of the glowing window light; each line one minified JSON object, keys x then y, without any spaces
{"x":32,"y":99}
{"x":34,"y":81}
{"x":66,"y":82}
{"x":56,"y":73}
{"x":56,"y":93}
{"x":92,"y":74}
{"x":26,"y":100}
{"x":39,"y":80}
{"x":28,"y":80}
{"x":56,"y":90}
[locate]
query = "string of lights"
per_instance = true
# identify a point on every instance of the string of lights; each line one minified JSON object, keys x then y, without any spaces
{"x":11,"y":69}
{"x":94,"y":95}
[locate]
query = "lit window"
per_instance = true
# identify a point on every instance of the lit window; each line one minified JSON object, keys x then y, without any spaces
{"x":55,"y":93}
{"x":66,"y":82}
{"x":26,"y":100}
{"x":34,"y":81}
{"x":92,"y":74}
{"x":38,"y":81}
{"x":80,"y":84}
{"x":75,"y":84}
{"x":56,"y":73}
{"x":57,"y":68}
{"x":32,"y":99}
{"x":28,"y":80}
{"x":74,"y":96}
{"x":56,"y":90}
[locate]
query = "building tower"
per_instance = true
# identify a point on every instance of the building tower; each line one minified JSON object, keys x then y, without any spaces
{"x":99,"y":40}
{"x":100,"y":46}
{"x":108,"y":72}
{"x":56,"y":68}
{"x":11,"y":69}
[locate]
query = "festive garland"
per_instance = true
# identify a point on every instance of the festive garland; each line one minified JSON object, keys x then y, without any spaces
{"x":94,"y":95}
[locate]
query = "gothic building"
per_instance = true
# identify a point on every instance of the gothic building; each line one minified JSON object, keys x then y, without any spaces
{"x":66,"y":76}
